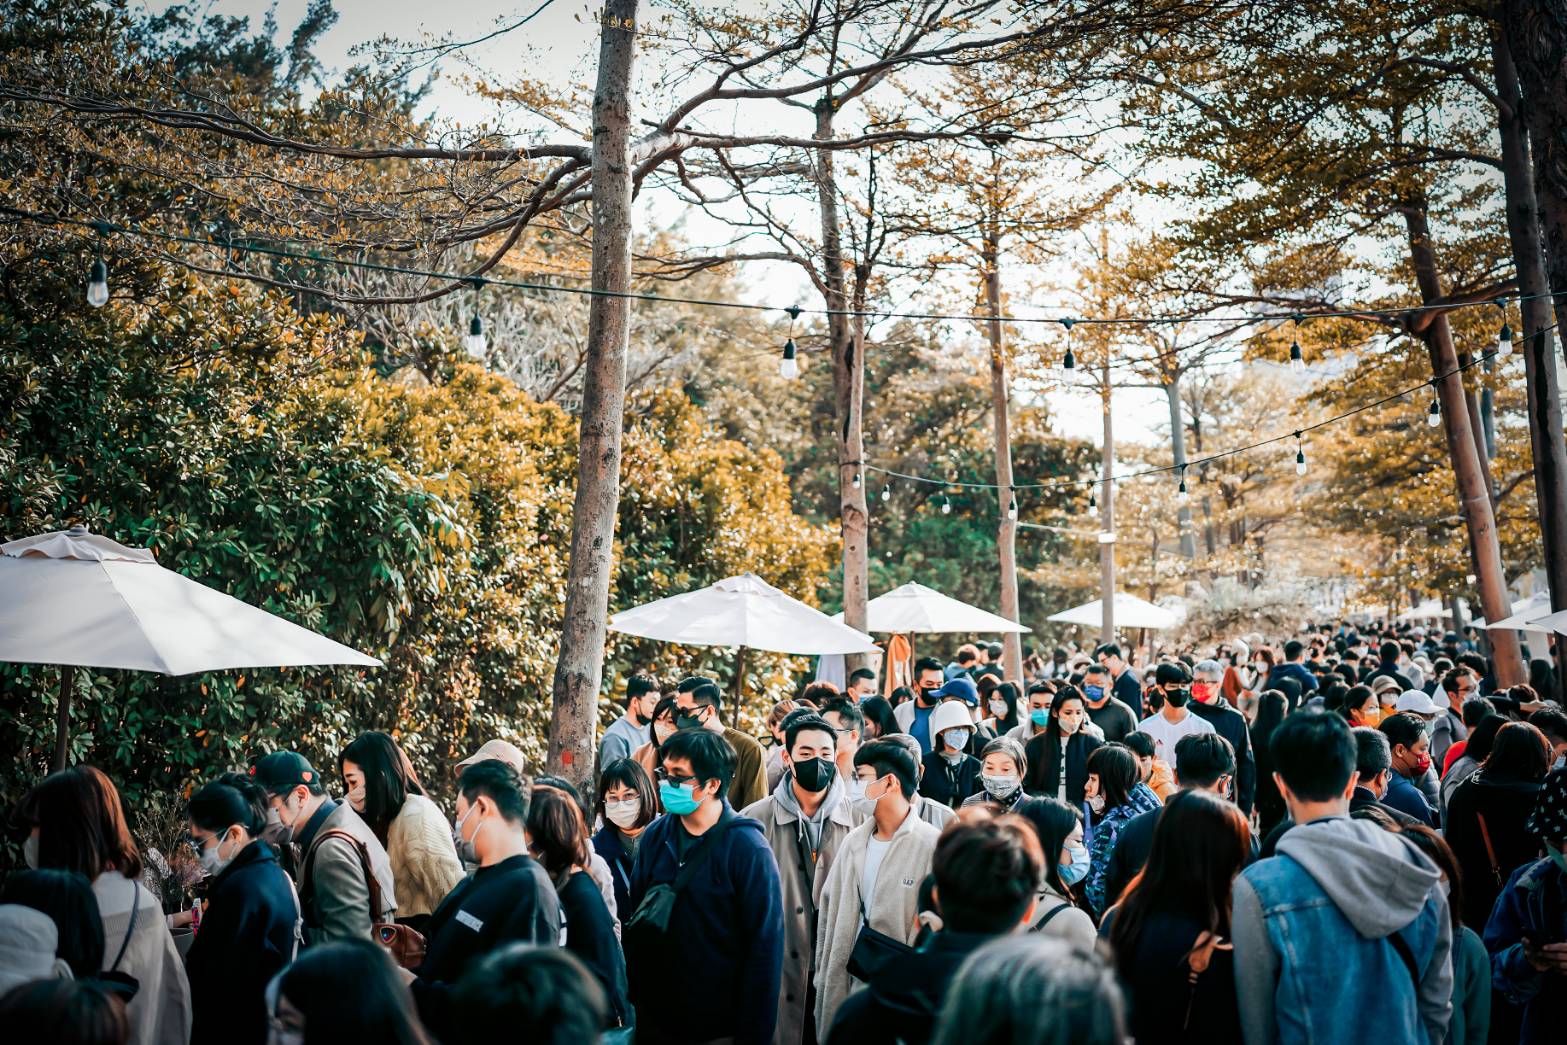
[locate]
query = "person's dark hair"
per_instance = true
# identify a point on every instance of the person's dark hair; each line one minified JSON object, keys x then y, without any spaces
{"x":665,"y":708}
{"x":389,"y":778}
{"x":1052,"y":821}
{"x":1483,"y":735}
{"x":987,"y":685}
{"x":1388,"y":651}
{"x":523,"y":992}
{"x":879,"y":711}
{"x":927,"y":664}
{"x":1403,"y":728}
{"x":889,"y":756}
{"x":1474,"y":710}
{"x":1142,"y":744}
{"x":900,"y":695}
{"x":1200,"y":843}
{"x":711,"y":756}
{"x":628,"y":772}
{"x":1003,"y":988}
{"x":64,"y":1012}
{"x":1271,"y":709}
{"x":819,"y":693}
{"x":804,"y":723}
{"x":1450,"y":679}
{"x":1357,"y":697}
{"x":1202,"y":759}
{"x":849,"y":713}
{"x":987,"y":873}
{"x":1095,"y":670}
{"x":556,"y":833}
{"x":1315,"y":754}
{"x":861,"y":673}
{"x":81,"y":824}
{"x":995,"y":649}
{"x":1523,"y":693}
{"x":1519,"y":752}
{"x":965,"y":655}
{"x":640,"y":685}
{"x":1552,"y":722}
{"x":1542,"y":677}
{"x":1475,"y":663}
{"x":1441,"y":854}
{"x":570,"y":790}
{"x":1107,"y":649}
{"x":1009,"y":693}
{"x":1116,"y":767}
{"x":1373,"y":754}
{"x":349,"y":990}
{"x":704,"y":692}
{"x":1170,"y":673}
{"x":501,"y":784}
{"x":1293,"y":649}
{"x":67,"y":898}
{"x":231,"y":799}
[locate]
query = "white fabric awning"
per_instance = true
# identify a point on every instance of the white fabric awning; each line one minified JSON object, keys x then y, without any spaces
{"x":1130,"y":612}
{"x":741,"y":611}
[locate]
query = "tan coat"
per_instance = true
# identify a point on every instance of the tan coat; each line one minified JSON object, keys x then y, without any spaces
{"x":893,"y":911}
{"x":423,"y":857}
{"x":802,"y":890}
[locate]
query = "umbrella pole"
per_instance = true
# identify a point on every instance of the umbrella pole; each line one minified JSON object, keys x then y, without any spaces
{"x":737,"y":686}
{"x":62,"y":729}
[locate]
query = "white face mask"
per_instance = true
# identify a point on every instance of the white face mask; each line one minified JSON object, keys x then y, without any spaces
{"x":863,"y":804}
{"x":356,"y":798}
{"x":623,"y":814}
{"x":1000,"y":785}
{"x":1097,"y":804}
{"x":663,"y":731}
{"x":956,"y":739}
{"x":212,"y":860}
{"x":30,"y":852}
{"x":998,"y":708}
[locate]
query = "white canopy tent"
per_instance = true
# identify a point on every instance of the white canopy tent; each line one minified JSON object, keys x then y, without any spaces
{"x":1551,"y":623}
{"x":914,"y":608}
{"x":1525,"y":615}
{"x":80,"y":600}
{"x":1130,"y":612}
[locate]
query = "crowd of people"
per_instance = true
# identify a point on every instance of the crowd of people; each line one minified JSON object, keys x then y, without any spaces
{"x":1356,"y":836}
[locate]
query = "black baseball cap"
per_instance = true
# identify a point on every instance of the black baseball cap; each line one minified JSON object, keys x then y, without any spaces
{"x":282,"y":771}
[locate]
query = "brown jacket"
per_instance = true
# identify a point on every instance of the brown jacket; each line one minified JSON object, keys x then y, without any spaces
{"x":802,"y":887}
{"x":750,"y":783}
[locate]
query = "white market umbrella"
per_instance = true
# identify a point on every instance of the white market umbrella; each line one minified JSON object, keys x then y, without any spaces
{"x":1431,"y":609}
{"x":914,"y":608}
{"x":76,"y":599}
{"x":1550,"y":623}
{"x":1130,"y":612}
{"x":1525,"y":616}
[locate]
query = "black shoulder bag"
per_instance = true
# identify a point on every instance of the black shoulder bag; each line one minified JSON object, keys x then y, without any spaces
{"x":873,"y":950}
{"x":658,"y":903}
{"x":113,"y":980}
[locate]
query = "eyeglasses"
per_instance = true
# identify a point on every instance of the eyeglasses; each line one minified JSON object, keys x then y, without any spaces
{"x":666,"y":777}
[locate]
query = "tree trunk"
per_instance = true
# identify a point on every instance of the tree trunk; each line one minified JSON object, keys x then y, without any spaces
{"x":1537,"y":43}
{"x":848,"y":381}
{"x":579,"y":670}
{"x":1006,"y":526}
{"x":1172,"y":392}
{"x":1543,"y":390}
{"x":1107,"y":515}
{"x":1463,"y":450}
{"x":1476,"y":410}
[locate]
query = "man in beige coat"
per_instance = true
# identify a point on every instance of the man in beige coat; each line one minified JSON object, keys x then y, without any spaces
{"x":876,"y":876}
{"x":805,"y":820}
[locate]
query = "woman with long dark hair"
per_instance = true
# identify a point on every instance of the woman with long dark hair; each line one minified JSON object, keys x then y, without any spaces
{"x":1170,"y":931}
{"x":1059,"y":909}
{"x":627,"y":803}
{"x":879,"y":719}
{"x":1475,"y":751}
{"x":1058,"y":754}
{"x":1114,"y":795}
{"x":1002,"y":708}
{"x":660,"y":729}
{"x":1487,"y":813}
{"x":344,"y":992}
{"x":76,"y":822}
{"x":558,"y":839}
{"x":1272,"y":706}
{"x":384,"y":789}
{"x":250,"y":928}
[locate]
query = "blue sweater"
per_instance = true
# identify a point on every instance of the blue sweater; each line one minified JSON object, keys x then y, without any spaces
{"x":246,"y":937}
{"x":725,"y":932}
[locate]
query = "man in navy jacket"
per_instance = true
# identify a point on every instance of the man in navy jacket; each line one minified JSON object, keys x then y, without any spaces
{"x":1230,"y":724}
{"x":715,"y":970}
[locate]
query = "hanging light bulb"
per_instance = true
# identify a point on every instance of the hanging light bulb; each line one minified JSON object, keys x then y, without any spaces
{"x":886,"y":492}
{"x":98,"y":284}
{"x":1180,"y":491}
{"x":788,"y":366}
{"x":1434,"y":415}
{"x":474,"y":342}
{"x":1068,"y":360}
{"x":1012,"y":509}
{"x":1504,"y":342}
{"x":1297,"y":357}
{"x":946,"y":505}
{"x":1093,"y":502}
{"x":1300,"y":456}
{"x":855,"y":482}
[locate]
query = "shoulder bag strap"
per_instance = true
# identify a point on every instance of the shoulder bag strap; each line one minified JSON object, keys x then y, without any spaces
{"x":714,"y":835}
{"x":364,"y":864}
{"x":1490,"y":851}
{"x":1039,"y":926}
{"x":1401,"y":945}
{"x":129,"y":929}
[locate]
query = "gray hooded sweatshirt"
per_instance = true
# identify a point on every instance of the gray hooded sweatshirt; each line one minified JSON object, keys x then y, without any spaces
{"x":1378,"y":881}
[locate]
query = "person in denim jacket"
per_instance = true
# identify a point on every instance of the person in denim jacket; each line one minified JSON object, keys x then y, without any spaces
{"x":1346,"y":912}
{"x":1527,"y":932}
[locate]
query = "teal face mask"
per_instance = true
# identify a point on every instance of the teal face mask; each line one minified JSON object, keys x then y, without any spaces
{"x":1077,"y":870}
{"x":1040,"y":717}
{"x":679,"y":799}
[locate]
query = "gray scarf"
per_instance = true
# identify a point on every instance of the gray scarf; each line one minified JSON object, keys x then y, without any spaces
{"x":810,"y":827}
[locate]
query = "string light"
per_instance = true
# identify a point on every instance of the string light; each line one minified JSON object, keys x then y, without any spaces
{"x":855,"y":482}
{"x":1297,"y":357}
{"x":1012,"y":509}
{"x":886,"y":492}
{"x":788,"y":366}
{"x":946,"y":505}
{"x":1068,"y":361}
{"x":98,"y":274}
{"x":1434,"y":415}
{"x":1300,"y":455}
{"x":1093,"y":502}
{"x":1504,"y":341}
{"x":1180,"y":491}
{"x":474,"y":342}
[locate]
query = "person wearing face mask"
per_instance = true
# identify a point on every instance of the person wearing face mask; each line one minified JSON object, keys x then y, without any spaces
{"x":1034,"y":717}
{"x":627,"y":732}
{"x":1059,"y":909}
{"x":1113,"y":796}
{"x":1001,"y":770}
{"x":950,"y":773}
{"x":933,"y":813}
{"x":1228,"y":723}
{"x":697,"y":705}
{"x":1527,"y":931}
{"x":1058,"y":757}
{"x":250,"y":929}
{"x":1114,"y":716}
{"x":1174,"y":719}
{"x":334,"y":846}
{"x":383,"y":788}
{"x":659,"y":730}
{"x":1410,"y":744}
{"x":874,"y":883}
{"x":626,"y":805}
{"x":1003,"y":707}
{"x":705,"y":946}
{"x":507,"y":899}
{"x":914,"y":716}
{"x":805,"y":820}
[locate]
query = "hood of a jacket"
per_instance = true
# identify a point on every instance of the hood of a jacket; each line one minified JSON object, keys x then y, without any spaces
{"x":1376,"y":879}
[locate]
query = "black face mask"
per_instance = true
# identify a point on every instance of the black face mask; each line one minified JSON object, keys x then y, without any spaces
{"x":689,"y":721}
{"x":814,"y":774}
{"x":1177,"y":698}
